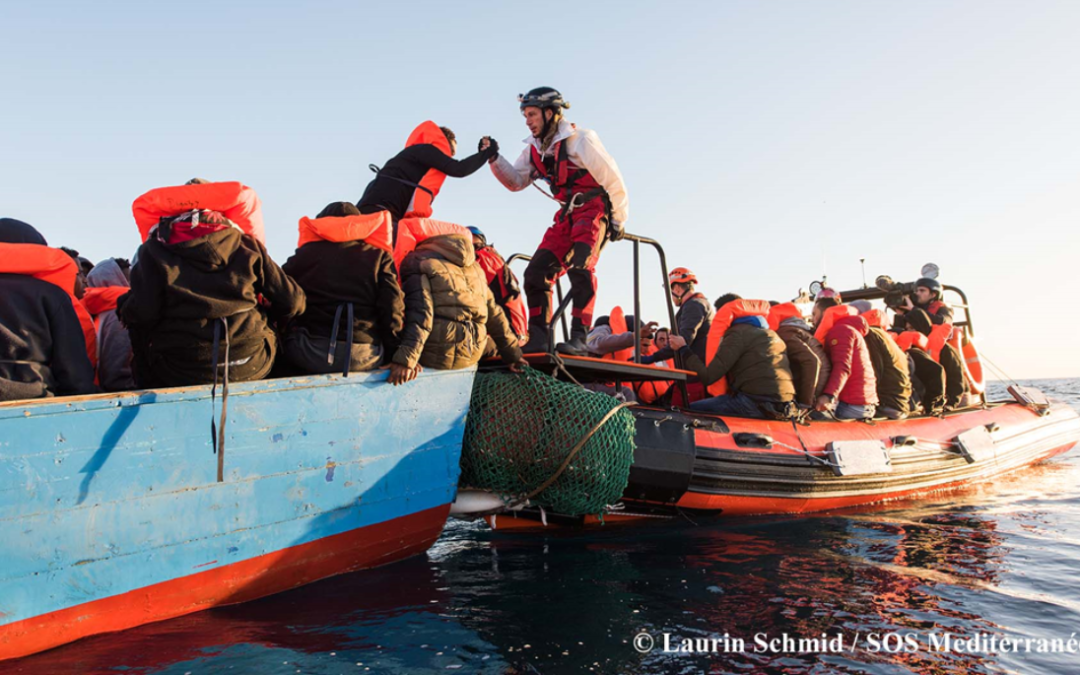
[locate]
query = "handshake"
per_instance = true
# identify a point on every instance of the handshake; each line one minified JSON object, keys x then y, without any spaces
{"x":489,"y":144}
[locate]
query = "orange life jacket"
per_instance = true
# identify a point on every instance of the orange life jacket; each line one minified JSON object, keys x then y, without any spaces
{"x":376,"y":229}
{"x":782,"y":312}
{"x":829,"y":318}
{"x":647,"y":392}
{"x":911,"y":338}
{"x":102,"y":299}
{"x":618,"y":326}
{"x":412,"y":231}
{"x":235,"y":201}
{"x":727,"y":314}
{"x":420,"y":204}
{"x":57,"y":268}
{"x":876,"y":318}
{"x":939,"y":336}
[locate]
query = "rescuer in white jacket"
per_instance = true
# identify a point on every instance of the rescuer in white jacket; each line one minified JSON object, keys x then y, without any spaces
{"x":594,"y":206}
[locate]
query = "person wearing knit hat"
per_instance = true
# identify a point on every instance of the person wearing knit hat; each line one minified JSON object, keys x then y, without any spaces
{"x":355,"y":306}
{"x":43,"y":352}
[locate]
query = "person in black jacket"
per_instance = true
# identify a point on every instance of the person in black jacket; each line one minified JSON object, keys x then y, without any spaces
{"x":956,"y":384}
{"x":42,"y":350}
{"x":334,"y":274}
{"x":201,"y":286}
{"x":397,"y":183}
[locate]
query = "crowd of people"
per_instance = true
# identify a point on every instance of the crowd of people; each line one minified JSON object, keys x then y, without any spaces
{"x":380,"y":284}
{"x":375,"y":284}
{"x":766,"y":360}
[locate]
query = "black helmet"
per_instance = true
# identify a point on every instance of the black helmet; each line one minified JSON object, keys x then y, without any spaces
{"x":543,"y":97}
{"x":933,"y":285}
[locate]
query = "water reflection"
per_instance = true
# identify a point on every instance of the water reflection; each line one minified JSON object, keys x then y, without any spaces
{"x":997,"y":560}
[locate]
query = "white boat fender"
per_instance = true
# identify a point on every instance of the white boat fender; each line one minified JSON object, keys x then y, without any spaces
{"x":476,"y":501}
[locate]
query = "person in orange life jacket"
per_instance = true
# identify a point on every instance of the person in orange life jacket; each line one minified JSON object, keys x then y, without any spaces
{"x":890,"y":365}
{"x":927,"y":298}
{"x":604,"y":341}
{"x":503,"y":285}
{"x":851,"y":390}
{"x":42,"y":348}
{"x":692,"y":320}
{"x":106,"y":282}
{"x":927,"y":375}
{"x":694,"y":316}
{"x":956,"y":384}
{"x":754,"y":360}
{"x":345,"y":265}
{"x":584,"y":178}
{"x":201,"y":286}
{"x":809,"y":362}
{"x":84,"y":266}
{"x":407,"y":184}
{"x":661,"y":338}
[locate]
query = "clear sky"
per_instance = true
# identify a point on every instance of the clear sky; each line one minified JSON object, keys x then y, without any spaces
{"x":761,"y":142}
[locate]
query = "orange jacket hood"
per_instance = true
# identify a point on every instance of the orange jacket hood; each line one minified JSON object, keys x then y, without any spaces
{"x":375,"y":229}
{"x":235,"y":201}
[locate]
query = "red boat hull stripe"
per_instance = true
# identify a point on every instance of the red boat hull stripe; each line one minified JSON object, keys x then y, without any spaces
{"x":239,"y":582}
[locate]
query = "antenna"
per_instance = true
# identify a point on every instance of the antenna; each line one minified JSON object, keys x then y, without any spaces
{"x":862,"y":261}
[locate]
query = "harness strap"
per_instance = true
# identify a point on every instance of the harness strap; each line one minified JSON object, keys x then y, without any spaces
{"x":379,"y":174}
{"x":217,"y":433}
{"x":348,"y":350}
{"x":334,"y":333}
{"x":332,"y":352}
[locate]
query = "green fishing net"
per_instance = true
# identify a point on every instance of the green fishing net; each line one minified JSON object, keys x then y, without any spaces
{"x":520,"y":430}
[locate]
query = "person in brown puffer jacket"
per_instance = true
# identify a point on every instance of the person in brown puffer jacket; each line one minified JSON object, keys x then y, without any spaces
{"x":810,"y":365}
{"x":449,"y":311}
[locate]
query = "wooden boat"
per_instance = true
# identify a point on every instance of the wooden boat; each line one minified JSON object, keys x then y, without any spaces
{"x":114,"y":514}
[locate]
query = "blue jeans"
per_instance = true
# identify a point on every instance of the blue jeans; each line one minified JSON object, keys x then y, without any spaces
{"x":846,"y":411}
{"x":732,"y":405}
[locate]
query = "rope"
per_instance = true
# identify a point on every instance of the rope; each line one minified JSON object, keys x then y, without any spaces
{"x":997,"y":370}
{"x":573,"y":453}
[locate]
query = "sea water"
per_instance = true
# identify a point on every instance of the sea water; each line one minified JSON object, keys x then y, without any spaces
{"x":983,"y":581}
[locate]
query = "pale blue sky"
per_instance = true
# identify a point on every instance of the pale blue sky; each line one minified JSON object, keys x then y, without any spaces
{"x":757,"y":139}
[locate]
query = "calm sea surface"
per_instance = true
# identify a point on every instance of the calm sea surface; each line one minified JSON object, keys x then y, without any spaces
{"x":886,"y":587}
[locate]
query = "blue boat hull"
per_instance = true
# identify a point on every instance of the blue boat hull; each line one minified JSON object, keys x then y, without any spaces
{"x":113,"y":516}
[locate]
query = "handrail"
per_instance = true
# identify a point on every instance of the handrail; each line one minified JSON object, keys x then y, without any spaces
{"x":558,"y":290}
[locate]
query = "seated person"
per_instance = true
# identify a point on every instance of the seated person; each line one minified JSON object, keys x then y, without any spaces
{"x":449,"y":311}
{"x":344,"y":261}
{"x":851,"y":390}
{"x":200,"y":289}
{"x":503,"y":284}
{"x":809,"y":363}
{"x":754,"y":361}
{"x":43,"y":351}
{"x":661,"y":339}
{"x":694,"y":316}
{"x":927,"y":375}
{"x":956,"y":383}
{"x":890,"y":368}
{"x":604,"y":342}
{"x":106,"y":282}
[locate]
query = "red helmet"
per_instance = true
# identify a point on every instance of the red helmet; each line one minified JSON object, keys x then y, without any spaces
{"x":681,"y":275}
